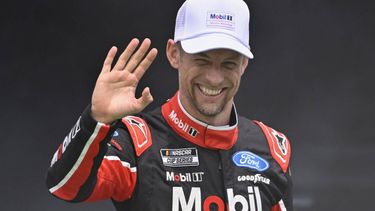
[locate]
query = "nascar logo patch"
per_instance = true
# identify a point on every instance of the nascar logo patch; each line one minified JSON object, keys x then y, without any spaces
{"x":180,"y":157}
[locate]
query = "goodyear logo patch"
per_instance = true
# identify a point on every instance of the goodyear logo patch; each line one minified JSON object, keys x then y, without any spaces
{"x":180,"y":157}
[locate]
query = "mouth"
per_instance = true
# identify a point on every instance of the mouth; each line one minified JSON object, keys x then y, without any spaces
{"x":210,"y":92}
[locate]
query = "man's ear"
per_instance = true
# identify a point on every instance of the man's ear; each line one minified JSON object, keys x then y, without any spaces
{"x":173,"y":53}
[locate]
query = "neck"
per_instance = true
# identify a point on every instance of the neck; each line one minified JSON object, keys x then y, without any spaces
{"x":199,"y":132}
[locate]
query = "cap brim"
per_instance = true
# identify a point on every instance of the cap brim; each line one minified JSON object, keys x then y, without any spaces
{"x":215,"y":41}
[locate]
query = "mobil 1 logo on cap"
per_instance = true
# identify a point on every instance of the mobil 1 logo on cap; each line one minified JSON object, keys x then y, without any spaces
{"x":180,"y":157}
{"x":220,"y":20}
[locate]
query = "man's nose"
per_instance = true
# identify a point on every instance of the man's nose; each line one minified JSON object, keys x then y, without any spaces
{"x":214,"y":75}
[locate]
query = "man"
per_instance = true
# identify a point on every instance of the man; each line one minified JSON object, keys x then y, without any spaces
{"x":192,"y":153}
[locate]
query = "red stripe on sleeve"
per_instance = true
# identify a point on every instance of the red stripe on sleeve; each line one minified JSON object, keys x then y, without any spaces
{"x":115,"y":180}
{"x":276,"y":208}
{"x":70,"y":189}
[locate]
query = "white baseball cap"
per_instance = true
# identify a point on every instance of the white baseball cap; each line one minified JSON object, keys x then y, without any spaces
{"x":203,"y":25}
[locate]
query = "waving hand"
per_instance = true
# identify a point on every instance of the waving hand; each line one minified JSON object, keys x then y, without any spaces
{"x":114,"y":92}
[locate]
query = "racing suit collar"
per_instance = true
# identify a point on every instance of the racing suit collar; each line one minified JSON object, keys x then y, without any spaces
{"x":198,"y":132}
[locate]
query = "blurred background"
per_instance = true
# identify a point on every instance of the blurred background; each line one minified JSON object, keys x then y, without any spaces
{"x":312,"y":78}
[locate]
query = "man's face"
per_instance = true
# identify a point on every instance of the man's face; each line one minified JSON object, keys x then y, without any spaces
{"x":208,"y":81}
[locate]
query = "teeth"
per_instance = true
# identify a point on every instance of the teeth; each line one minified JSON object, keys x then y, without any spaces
{"x":209,"y":92}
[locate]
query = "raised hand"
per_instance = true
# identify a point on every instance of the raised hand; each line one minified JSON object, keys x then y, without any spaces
{"x":114,"y":93}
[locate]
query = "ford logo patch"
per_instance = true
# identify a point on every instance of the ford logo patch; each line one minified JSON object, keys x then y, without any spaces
{"x":250,"y":160}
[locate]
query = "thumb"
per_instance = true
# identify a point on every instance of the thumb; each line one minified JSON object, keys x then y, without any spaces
{"x":146,"y":98}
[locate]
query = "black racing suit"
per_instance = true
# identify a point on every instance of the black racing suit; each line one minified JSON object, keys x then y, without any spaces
{"x":168,"y":160}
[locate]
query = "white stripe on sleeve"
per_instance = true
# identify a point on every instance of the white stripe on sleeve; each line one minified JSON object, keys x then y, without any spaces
{"x":79,"y":160}
{"x":125,"y":164}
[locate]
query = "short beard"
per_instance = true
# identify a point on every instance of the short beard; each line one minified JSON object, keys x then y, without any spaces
{"x":209,"y":111}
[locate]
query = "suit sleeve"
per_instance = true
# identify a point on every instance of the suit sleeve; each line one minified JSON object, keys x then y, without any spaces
{"x":288,"y":195}
{"x":89,"y":165}
{"x":286,"y":201}
{"x":280,"y":149}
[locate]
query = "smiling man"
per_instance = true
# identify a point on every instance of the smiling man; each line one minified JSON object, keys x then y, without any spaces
{"x":192,"y":153}
{"x":208,"y":81}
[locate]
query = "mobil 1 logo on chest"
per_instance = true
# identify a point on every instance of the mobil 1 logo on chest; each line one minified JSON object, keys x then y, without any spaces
{"x":194,"y":201}
{"x":180,"y":157}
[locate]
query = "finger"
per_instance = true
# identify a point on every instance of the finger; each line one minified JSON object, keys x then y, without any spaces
{"x":109,"y":59}
{"x":146,"y":98}
{"x":146,"y":62}
{"x":124,"y":57}
{"x":138,"y":56}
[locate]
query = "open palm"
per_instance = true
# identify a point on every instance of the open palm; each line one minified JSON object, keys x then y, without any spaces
{"x":114,"y":93}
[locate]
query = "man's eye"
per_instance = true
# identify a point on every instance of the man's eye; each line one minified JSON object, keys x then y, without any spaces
{"x":230,"y":65}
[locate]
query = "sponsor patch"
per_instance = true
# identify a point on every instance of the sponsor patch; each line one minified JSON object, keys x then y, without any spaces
{"x":180,"y":157}
{"x":250,"y":160}
{"x":184,"y":177}
{"x":182,"y":125}
{"x":72,"y":134}
{"x":253,"y":178}
{"x":252,"y":201}
{"x":220,"y":20}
